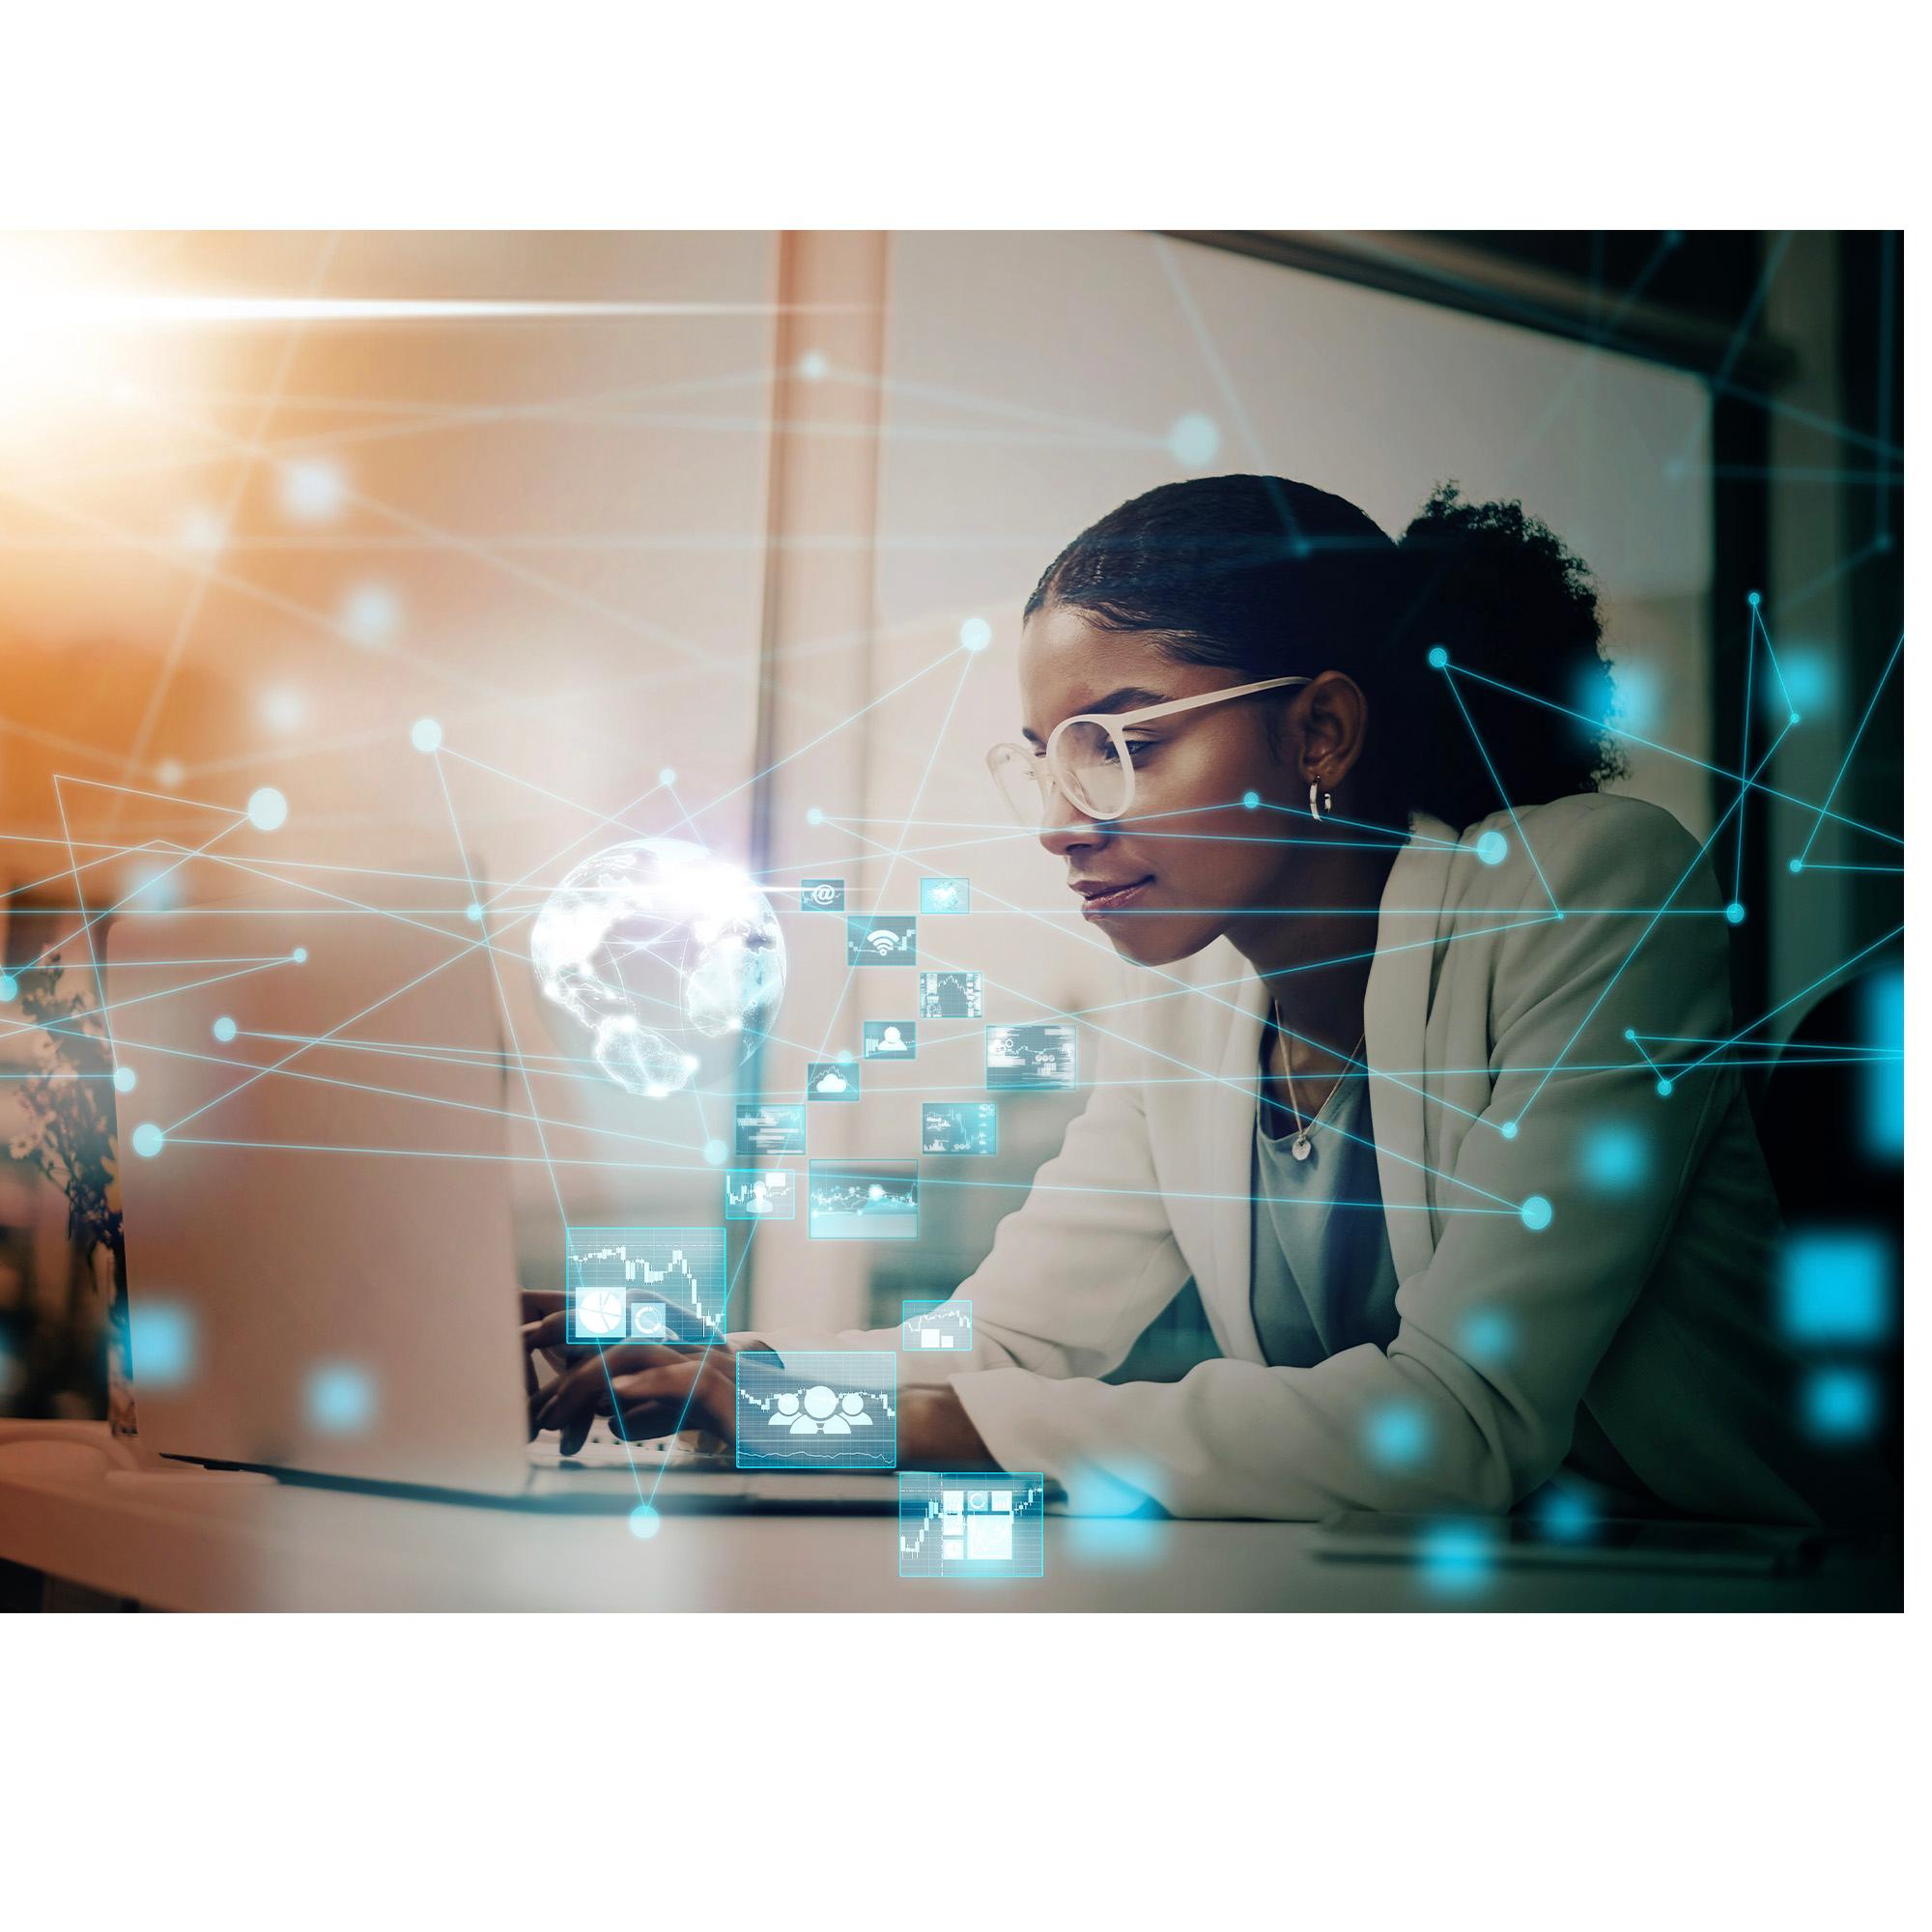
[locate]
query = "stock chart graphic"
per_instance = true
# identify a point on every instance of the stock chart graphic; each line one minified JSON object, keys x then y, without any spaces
{"x":644,"y":1284}
{"x":936,"y":1324}
{"x":971,"y":1524}
{"x":817,"y":1411}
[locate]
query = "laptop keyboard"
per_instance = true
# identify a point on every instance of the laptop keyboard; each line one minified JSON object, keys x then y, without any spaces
{"x":602,"y":1450}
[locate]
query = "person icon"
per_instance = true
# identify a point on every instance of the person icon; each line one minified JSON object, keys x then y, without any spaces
{"x":852,"y":1408}
{"x":785,"y":1413}
{"x":761,"y":1201}
{"x":891,"y":1040}
{"x":821,"y":1416}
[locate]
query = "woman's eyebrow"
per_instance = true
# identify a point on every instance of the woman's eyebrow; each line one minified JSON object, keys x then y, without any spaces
{"x":1128,"y":697}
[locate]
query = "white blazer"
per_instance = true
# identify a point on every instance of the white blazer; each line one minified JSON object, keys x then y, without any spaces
{"x":1633,"y":1334}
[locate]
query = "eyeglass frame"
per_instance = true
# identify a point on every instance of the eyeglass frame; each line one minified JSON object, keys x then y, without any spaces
{"x":1113,"y":722}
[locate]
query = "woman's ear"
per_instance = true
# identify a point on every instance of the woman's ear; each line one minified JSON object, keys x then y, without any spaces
{"x":1334,"y":727}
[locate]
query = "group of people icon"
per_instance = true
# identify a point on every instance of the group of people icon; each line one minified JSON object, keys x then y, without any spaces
{"x":818,"y":1412}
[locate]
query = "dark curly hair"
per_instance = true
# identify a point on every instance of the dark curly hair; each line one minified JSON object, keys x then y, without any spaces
{"x":1271,"y":578}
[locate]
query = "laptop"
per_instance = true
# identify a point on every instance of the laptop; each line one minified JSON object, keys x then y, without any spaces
{"x":321,"y":1259}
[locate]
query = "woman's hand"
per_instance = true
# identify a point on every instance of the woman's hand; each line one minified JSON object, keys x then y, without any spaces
{"x":650,"y":1389}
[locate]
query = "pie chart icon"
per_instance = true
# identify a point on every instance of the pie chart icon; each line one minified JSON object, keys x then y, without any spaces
{"x":600,"y":1311}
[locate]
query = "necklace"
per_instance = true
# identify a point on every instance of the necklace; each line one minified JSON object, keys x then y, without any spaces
{"x":1302,"y":1146}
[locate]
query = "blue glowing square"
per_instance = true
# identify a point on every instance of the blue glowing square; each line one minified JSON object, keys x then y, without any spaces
{"x":862,"y":1201}
{"x":1035,"y":1054}
{"x":987,"y":1524}
{"x":882,"y":939}
{"x":889,"y":1040}
{"x":832,"y":1080}
{"x":610,"y":1273}
{"x":927,"y":1325}
{"x":1885,"y":1074}
{"x":1836,"y":1286}
{"x":341,"y":1398}
{"x":821,"y":895}
{"x":945,"y":895}
{"x":160,"y":1343}
{"x":760,"y":1194}
{"x":1839,"y":1405}
{"x":815,"y":1410}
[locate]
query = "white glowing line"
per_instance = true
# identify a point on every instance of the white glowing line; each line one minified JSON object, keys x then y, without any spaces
{"x":155,"y":308}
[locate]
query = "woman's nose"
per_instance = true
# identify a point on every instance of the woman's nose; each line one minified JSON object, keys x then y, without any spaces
{"x":1062,"y":829}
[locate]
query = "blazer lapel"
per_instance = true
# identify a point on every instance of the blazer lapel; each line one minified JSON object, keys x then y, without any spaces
{"x":1395,"y":1016}
{"x":1227,"y":1151}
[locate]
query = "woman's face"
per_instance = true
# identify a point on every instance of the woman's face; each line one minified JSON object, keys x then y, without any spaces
{"x":1189,"y":857}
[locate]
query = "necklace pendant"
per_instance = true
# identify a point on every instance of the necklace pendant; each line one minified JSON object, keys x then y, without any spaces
{"x":1300,"y":1146}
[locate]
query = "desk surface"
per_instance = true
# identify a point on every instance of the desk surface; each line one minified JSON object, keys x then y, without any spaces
{"x":196,"y":1542}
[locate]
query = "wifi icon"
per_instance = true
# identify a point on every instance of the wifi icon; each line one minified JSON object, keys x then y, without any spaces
{"x":879,"y":940}
{"x":882,"y":941}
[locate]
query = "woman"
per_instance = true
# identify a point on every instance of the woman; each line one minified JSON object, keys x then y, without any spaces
{"x":1376,"y":1085}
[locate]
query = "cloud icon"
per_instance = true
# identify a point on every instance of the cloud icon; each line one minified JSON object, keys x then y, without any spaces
{"x":830,"y":1081}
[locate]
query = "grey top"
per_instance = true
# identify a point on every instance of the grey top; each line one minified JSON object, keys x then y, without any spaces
{"x":1324,"y":1279}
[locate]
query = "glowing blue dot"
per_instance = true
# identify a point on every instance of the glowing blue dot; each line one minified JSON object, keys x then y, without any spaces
{"x":1665,"y":1086}
{"x":1507,"y":1130}
{"x":1840,"y":1404}
{"x":1193,"y":439}
{"x":667,"y":776}
{"x":9,"y":986}
{"x":645,"y":1522}
{"x":975,"y":635}
{"x":224,"y":1029}
{"x":1794,"y":719}
{"x":267,"y":810}
{"x":161,"y":1344}
{"x":1798,"y":864}
{"x":813,"y":816}
{"x":1567,"y":1515}
{"x":125,"y":1079}
{"x":1438,"y":657}
{"x":1630,"y":1033}
{"x":813,"y":365}
{"x":1753,"y":598}
{"x":1251,"y":799}
{"x":425,"y":734}
{"x":1489,"y":1334}
{"x":312,"y":491}
{"x":1836,"y":1286}
{"x":714,"y":1151}
{"x":473,"y":913}
{"x":1614,"y":1158}
{"x":341,"y":1398}
{"x":149,"y":1139}
{"x":1493,"y":848}
{"x":843,"y":1055}
{"x":1535,"y":1212}
{"x":1735,"y":913}
{"x":1397,"y":1434}
{"x":300,"y":955}
{"x":1457,"y":1557}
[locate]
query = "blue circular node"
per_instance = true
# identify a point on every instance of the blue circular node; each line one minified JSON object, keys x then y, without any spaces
{"x":1630,"y":1033}
{"x":1798,"y":864}
{"x":813,"y":816}
{"x":9,"y":986}
{"x":1535,"y":1211}
{"x":1438,"y":657}
{"x":1193,"y":439}
{"x":1508,"y":1130}
{"x":1493,"y":848}
{"x":1794,"y":719}
{"x":425,"y":734}
{"x":645,"y":1522}
{"x":300,"y":955}
{"x":1665,"y":1086}
{"x":473,"y":913}
{"x":149,"y":1139}
{"x":224,"y":1029}
{"x":668,"y":776}
{"x":1754,"y":599}
{"x":843,"y":1055}
{"x":1251,"y":799}
{"x":1735,"y":913}
{"x":125,"y":1078}
{"x":975,"y":635}
{"x":714,"y":1152}
{"x":267,"y":810}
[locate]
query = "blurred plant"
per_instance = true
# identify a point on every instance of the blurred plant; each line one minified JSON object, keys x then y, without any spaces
{"x":70,"y":1140}
{"x":69,"y":1102}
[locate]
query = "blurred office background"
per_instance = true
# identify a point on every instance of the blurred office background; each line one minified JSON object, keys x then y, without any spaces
{"x":728,"y":504}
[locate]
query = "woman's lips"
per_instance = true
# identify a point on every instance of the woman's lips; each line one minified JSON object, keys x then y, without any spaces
{"x":1116,"y":898}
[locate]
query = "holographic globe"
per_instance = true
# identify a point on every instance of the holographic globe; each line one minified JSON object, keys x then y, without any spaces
{"x":656,"y":947}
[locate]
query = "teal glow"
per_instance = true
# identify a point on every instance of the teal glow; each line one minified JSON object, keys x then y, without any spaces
{"x":224,"y":1029}
{"x":1614,"y":1158}
{"x":161,"y":1344}
{"x":1834,"y":1286}
{"x":125,"y":1079}
{"x":1493,"y":848}
{"x":1398,"y":1435}
{"x":1839,"y":1405}
{"x":1438,"y":657}
{"x":645,"y":1522}
{"x":341,"y":1398}
{"x":1536,"y":1213}
{"x":148,"y":1139}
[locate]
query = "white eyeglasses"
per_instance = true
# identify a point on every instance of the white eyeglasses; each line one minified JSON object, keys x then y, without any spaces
{"x":1089,"y":760}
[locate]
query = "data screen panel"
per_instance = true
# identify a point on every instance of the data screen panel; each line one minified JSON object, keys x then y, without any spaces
{"x":644,"y":1284}
{"x":971,"y":1524}
{"x":830,"y":1410}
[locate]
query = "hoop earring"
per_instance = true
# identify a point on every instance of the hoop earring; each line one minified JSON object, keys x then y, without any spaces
{"x":1327,"y":802}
